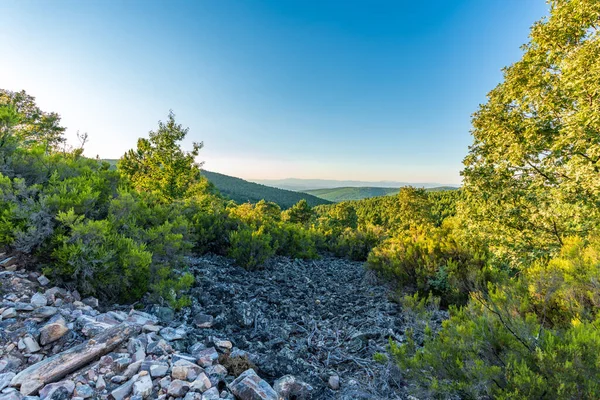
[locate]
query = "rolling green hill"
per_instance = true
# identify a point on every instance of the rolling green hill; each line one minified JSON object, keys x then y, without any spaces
{"x":358,"y":193}
{"x":243,"y":191}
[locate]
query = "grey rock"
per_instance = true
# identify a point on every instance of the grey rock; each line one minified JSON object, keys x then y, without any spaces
{"x":334,"y":382}
{"x":83,"y":391}
{"x":288,"y":387}
{"x":39,"y":300}
{"x":178,"y":388}
{"x":43,"y":280}
{"x":143,"y":386}
{"x":211,"y":394}
{"x":185,"y":370}
{"x":44,"y":312}
{"x":124,"y":390}
{"x":207,"y":357}
{"x":9,"y":313}
{"x":158,"y":370}
{"x":100,"y":384}
{"x":31,"y":344}
{"x":91,"y":301}
{"x":51,"y":332}
{"x":165,"y":382}
{"x":13,"y":395}
{"x":204,"y":321}
{"x":193,"y":396}
{"x":58,"y":390}
{"x":171,"y":334}
{"x":160,"y":347}
{"x":5,"y":379}
{"x":201,"y":384}
{"x":249,"y":386}
{"x":132,"y":369}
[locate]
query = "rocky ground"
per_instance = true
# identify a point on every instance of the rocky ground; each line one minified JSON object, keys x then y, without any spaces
{"x":293,"y":330}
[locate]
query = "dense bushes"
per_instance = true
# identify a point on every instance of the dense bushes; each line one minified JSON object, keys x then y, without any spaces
{"x":534,"y":337}
{"x":433,"y":260}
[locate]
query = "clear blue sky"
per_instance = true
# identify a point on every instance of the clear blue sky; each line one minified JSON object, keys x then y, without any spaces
{"x":336,"y":89}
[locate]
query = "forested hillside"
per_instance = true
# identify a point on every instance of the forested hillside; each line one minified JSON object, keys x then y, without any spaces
{"x":358,"y":193}
{"x":242,"y":191}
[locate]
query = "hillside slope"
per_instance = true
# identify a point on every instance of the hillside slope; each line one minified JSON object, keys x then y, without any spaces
{"x":243,"y":191}
{"x":358,"y":193}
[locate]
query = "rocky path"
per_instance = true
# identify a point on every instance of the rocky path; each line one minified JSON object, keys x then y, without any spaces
{"x":294,"y":330}
{"x":318,"y":320}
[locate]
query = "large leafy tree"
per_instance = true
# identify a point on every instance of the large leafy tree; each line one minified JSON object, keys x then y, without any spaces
{"x":161,"y":167}
{"x":532,"y":175}
{"x":35,"y":126}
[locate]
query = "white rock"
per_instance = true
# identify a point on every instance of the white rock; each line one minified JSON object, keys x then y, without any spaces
{"x":143,"y":386}
{"x":39,"y":300}
{"x":31,"y":345}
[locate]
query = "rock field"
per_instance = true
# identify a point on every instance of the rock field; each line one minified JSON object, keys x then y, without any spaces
{"x":293,"y":330}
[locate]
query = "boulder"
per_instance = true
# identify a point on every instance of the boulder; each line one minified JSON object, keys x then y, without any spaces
{"x":39,"y":300}
{"x":249,"y":386}
{"x":178,"y":388}
{"x":53,"y":331}
{"x":143,"y":386}
{"x":290,"y":388}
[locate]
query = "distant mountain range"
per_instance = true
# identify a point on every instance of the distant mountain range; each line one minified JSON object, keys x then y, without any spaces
{"x":242,"y":191}
{"x":302,"y":185}
{"x":358,"y":193}
{"x":287,"y":192}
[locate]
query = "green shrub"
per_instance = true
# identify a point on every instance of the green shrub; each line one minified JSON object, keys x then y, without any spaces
{"x":535,"y":336}
{"x":250,"y":248}
{"x":294,"y":241}
{"x":356,"y":244}
{"x":99,"y":261}
{"x":171,"y":289}
{"x":433,"y":260}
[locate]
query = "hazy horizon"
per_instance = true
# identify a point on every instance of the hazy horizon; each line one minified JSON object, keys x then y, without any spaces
{"x":356,"y":90}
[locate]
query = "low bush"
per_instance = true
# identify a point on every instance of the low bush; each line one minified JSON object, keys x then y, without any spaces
{"x":250,"y":248}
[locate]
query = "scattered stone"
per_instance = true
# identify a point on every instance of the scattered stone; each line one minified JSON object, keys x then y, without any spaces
{"x":31,"y":344}
{"x":211,"y":394}
{"x":9,"y":313}
{"x":171,"y":334}
{"x":207,"y":357}
{"x":42,"y":280}
{"x":143,"y":386}
{"x":53,"y":331}
{"x":158,"y":370}
{"x":204,"y":321}
{"x":56,"y":390}
{"x":159,"y":348}
{"x":84,"y":391}
{"x":100,"y":383}
{"x":91,"y":301}
{"x":223,"y":344}
{"x":5,"y":379}
{"x":201,"y":384}
{"x":334,"y":382}
{"x":290,"y":388}
{"x":249,"y":386}
{"x":44,"y":312}
{"x":14,"y":395}
{"x":124,"y":390}
{"x":178,"y":388}
{"x":39,"y":300}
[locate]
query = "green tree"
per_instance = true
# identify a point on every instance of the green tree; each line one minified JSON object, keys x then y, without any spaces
{"x":161,"y":167}
{"x":531,"y":175}
{"x":300,"y":213}
{"x":35,"y":126}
